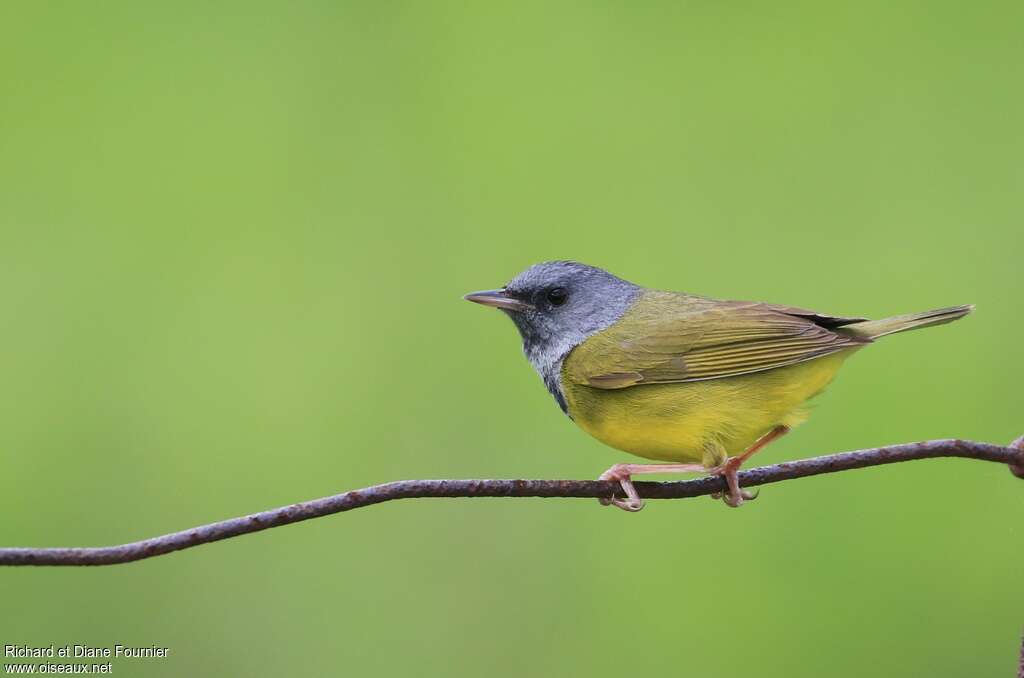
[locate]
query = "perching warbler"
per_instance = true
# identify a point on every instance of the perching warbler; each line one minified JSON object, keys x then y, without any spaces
{"x":676,"y":377}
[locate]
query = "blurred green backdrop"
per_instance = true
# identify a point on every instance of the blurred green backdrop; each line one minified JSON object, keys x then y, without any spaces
{"x":234,"y":240}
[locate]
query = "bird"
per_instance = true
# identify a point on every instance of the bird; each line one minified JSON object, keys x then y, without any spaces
{"x":696,"y":383}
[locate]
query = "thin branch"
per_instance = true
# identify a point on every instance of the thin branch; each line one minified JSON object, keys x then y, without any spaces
{"x":590,"y":489}
{"x":1020,"y":667}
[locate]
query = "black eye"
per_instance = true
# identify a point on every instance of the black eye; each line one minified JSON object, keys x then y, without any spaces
{"x":558,"y":296}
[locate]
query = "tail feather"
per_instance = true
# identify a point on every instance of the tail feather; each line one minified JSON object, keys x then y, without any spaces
{"x":872,"y":329}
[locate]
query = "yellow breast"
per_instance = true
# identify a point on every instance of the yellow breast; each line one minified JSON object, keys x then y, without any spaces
{"x":700,"y":421}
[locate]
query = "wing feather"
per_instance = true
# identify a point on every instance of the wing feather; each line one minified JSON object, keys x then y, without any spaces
{"x":703,"y":339}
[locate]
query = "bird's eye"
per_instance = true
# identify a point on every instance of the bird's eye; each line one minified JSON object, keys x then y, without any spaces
{"x":558,"y":296}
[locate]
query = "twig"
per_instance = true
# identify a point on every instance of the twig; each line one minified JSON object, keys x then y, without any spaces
{"x":415,"y":489}
{"x":1020,"y":667}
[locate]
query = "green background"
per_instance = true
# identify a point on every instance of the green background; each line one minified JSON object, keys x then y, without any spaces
{"x":233,"y":241}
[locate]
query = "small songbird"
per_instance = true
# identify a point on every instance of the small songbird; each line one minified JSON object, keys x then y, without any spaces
{"x":674,"y":377}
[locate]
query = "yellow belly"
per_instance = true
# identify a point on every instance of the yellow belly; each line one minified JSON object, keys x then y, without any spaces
{"x":699,"y":421}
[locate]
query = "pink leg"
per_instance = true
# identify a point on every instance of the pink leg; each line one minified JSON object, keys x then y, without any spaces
{"x":624,"y":472}
{"x":730,"y":469}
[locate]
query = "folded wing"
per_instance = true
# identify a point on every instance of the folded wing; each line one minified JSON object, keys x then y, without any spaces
{"x":687,"y":338}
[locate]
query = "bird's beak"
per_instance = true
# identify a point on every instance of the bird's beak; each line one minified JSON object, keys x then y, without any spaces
{"x":498,"y":299}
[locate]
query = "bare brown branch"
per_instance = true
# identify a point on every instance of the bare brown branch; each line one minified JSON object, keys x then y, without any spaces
{"x":1020,"y":667}
{"x":1013,"y":456}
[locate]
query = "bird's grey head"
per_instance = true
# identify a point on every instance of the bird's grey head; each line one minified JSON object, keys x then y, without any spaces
{"x":556,"y":305}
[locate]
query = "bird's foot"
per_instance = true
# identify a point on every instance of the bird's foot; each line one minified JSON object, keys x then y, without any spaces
{"x":622,"y":473}
{"x":735,"y":495}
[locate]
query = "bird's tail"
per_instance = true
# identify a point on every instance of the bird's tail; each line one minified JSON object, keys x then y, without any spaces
{"x":872,"y":329}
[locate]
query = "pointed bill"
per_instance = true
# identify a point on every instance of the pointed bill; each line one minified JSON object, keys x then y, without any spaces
{"x":498,"y":299}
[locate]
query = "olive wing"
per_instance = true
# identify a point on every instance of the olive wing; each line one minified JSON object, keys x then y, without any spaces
{"x":676,"y":338}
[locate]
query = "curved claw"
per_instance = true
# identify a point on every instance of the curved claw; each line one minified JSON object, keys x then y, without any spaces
{"x":624,"y":504}
{"x":628,"y":504}
{"x":738,"y":499}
